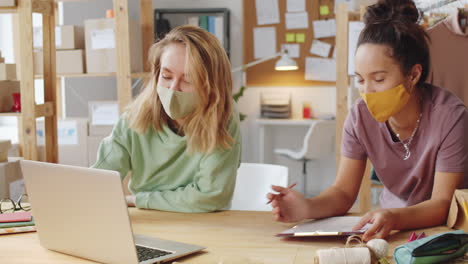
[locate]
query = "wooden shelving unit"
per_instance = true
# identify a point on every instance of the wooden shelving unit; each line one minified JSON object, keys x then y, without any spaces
{"x":123,"y":73}
{"x":29,"y":109}
{"x":342,"y":83}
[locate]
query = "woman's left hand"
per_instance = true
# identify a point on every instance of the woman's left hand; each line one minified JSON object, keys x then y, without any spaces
{"x":383,"y":222}
{"x":131,"y":200}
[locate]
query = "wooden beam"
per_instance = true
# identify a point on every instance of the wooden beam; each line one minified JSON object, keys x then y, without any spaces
{"x":8,"y":10}
{"x":365,"y":192}
{"x":16,"y":44}
{"x":45,"y":7}
{"x":45,"y":110}
{"x":147,"y":30}
{"x":365,"y":201}
{"x":27,"y":80}
{"x":122,"y":39}
{"x":59,"y":101}
{"x":50,"y":87}
{"x":342,"y":79}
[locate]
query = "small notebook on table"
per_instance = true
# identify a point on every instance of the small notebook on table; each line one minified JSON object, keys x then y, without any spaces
{"x":332,"y":226}
{"x":15,"y":217}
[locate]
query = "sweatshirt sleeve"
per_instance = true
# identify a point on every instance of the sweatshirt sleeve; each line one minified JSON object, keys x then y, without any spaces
{"x":113,"y":151}
{"x":212,"y":186}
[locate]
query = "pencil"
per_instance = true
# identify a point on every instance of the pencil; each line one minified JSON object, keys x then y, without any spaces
{"x":289,"y":187}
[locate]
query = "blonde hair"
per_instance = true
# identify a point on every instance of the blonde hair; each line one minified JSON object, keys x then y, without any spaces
{"x":209,"y":70}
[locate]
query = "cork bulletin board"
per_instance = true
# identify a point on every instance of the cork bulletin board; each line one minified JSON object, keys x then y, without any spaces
{"x":264,"y":74}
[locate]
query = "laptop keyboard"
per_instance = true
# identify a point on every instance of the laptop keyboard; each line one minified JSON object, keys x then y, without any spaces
{"x":145,"y":253}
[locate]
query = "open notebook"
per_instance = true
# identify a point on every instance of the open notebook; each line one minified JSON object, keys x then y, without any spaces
{"x":332,"y":226}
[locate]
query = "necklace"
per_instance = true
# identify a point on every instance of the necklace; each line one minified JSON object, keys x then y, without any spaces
{"x":407,"y":144}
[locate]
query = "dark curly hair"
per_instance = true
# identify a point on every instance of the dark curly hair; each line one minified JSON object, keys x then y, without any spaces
{"x":394,"y":23}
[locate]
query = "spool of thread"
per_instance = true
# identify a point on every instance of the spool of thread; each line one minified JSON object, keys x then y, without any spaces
{"x":379,"y":247}
{"x":357,"y":255}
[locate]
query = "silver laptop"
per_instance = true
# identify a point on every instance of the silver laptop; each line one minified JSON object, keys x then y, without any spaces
{"x":82,"y":212}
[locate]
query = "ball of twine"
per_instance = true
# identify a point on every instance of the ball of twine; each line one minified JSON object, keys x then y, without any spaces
{"x":378,"y":248}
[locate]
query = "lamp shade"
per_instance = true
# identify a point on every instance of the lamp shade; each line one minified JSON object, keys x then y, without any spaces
{"x":285,"y":63}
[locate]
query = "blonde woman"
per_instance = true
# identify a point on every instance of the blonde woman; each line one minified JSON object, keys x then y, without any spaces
{"x":180,"y":137}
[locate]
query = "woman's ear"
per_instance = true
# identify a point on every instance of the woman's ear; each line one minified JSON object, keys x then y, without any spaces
{"x":415,"y":74}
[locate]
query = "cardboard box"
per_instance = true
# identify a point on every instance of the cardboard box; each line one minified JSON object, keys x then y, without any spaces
{"x":68,"y":61}
{"x":100,"y":46}
{"x":67,"y":37}
{"x":11,"y":179}
{"x":7,"y":88}
{"x":14,"y":150}
{"x":103,"y":115}
{"x":72,"y":141}
{"x":7,"y":3}
{"x":93,"y":146}
{"x":458,"y":214}
{"x":4,"y":148}
{"x":7,"y":72}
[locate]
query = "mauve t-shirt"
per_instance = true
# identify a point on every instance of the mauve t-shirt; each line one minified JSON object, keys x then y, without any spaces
{"x":439,"y":145}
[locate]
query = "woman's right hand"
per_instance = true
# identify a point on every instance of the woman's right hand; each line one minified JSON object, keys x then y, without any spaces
{"x":288,"y":204}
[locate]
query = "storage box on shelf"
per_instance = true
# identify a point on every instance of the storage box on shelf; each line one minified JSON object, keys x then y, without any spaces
{"x":68,"y":61}
{"x":4,"y":148}
{"x":11,"y":179}
{"x":67,"y":37}
{"x":103,"y":115}
{"x":93,"y":146}
{"x":7,"y":3}
{"x":100,"y":46}
{"x":7,"y":72}
{"x":7,"y":88}
{"x":72,"y":141}
{"x":24,"y":54}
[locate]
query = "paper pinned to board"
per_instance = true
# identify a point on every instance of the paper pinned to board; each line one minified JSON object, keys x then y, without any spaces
{"x":320,"y":69}
{"x":264,"y":42}
{"x":267,"y":12}
{"x":293,"y":50}
{"x":297,"y":20}
{"x":300,"y":37}
{"x":295,"y":5}
{"x":320,"y":48}
{"x":324,"y":10}
{"x":324,"y":28}
{"x":355,"y":28}
{"x":332,"y":226}
{"x":290,"y":37}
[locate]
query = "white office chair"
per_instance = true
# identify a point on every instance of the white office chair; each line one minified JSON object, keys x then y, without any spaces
{"x":319,"y":141}
{"x":253,"y":182}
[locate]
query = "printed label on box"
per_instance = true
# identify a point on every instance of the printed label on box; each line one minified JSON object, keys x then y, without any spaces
{"x":67,"y":133}
{"x":103,"y":39}
{"x":105,"y":114}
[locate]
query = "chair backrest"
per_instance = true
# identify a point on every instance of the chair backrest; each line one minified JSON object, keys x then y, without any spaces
{"x":253,"y":182}
{"x":320,"y":139}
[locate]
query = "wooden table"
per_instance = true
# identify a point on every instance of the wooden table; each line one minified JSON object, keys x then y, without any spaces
{"x":231,"y":237}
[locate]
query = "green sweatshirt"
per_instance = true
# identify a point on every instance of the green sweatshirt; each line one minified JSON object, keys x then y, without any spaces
{"x":164,"y":175}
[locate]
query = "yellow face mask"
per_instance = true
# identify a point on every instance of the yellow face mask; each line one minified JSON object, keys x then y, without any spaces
{"x":383,"y":105}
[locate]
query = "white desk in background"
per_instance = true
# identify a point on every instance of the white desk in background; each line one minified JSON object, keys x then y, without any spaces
{"x":264,"y":122}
